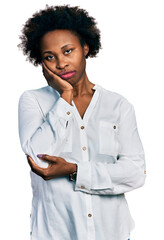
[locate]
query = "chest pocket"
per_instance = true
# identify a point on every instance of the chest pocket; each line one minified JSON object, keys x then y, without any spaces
{"x":108,"y":143}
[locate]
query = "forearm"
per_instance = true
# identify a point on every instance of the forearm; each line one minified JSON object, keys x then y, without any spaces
{"x":111,"y":179}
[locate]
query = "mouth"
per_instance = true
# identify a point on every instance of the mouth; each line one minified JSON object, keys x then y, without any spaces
{"x":67,"y":75}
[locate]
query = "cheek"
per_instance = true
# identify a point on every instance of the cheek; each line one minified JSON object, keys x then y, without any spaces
{"x":51,"y":65}
{"x":78,"y":56}
{"x":79,"y":61}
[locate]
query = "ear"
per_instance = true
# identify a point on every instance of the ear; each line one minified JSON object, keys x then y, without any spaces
{"x":86,"y":49}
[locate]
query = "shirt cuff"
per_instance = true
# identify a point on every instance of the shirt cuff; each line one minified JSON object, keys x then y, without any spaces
{"x":92,"y":177}
{"x":83,"y":179}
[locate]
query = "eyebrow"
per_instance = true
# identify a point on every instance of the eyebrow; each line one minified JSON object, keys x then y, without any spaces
{"x":61,"y":48}
{"x":66,"y":45}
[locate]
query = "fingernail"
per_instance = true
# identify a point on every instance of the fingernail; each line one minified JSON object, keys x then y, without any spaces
{"x":39,"y":155}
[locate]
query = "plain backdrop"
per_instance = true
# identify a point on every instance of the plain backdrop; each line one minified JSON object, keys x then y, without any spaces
{"x":131,"y":63}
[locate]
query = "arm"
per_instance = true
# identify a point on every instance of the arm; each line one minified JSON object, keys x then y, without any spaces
{"x":42,"y":133}
{"x":45,"y":134}
{"x":127,"y":173}
{"x":57,"y":167}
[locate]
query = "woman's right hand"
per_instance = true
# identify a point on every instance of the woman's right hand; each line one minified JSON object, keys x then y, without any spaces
{"x":55,"y":81}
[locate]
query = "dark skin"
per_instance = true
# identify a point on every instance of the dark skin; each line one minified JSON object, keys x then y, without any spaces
{"x":61,"y":51}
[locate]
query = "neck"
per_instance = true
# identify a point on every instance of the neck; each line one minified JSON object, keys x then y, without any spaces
{"x":83,"y":87}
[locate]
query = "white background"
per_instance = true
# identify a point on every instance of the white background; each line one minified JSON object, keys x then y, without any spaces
{"x":130,"y":63}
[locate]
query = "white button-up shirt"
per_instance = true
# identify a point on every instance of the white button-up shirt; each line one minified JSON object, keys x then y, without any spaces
{"x":109,"y":155}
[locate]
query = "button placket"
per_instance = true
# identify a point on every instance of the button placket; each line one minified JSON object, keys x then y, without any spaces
{"x":84,"y":142}
{"x":90,"y":223}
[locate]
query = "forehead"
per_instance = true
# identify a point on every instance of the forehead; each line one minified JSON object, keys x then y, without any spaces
{"x":59,"y":38}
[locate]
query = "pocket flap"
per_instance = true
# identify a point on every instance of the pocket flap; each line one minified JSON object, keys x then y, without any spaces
{"x":109,"y":125}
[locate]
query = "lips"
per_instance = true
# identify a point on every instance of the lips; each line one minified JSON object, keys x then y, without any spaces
{"x":67,"y":75}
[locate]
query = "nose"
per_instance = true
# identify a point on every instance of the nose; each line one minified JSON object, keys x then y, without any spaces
{"x":61,"y":63}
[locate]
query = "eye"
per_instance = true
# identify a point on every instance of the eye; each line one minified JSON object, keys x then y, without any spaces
{"x":68,"y":51}
{"x":50,"y":57}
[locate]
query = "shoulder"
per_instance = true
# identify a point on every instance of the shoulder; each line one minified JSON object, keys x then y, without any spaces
{"x":44,"y":93}
{"x":43,"y":98}
{"x":115,"y":99}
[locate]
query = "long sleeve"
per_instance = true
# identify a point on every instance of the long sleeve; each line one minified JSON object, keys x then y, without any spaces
{"x":106,"y":147}
{"x":127,"y":173}
{"x":39,"y":132}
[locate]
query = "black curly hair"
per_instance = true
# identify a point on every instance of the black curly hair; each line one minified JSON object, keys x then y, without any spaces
{"x":59,"y":17}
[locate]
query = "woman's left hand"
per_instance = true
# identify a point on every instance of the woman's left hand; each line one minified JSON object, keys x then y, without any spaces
{"x":58,"y":167}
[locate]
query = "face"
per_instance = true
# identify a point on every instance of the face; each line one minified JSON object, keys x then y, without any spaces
{"x":62,"y":52}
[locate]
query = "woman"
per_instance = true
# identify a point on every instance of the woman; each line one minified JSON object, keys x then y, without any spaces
{"x":81,"y":140}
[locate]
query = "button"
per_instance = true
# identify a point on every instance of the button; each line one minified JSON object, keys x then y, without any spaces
{"x":82,"y":127}
{"x":84,"y":148}
{"x":89,"y":215}
{"x":68,"y":113}
{"x":82,"y":187}
{"x":114,"y":127}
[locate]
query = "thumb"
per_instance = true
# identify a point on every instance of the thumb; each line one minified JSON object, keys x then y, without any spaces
{"x":47,"y":158}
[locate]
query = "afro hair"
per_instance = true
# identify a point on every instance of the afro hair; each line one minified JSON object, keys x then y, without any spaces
{"x":59,"y":17}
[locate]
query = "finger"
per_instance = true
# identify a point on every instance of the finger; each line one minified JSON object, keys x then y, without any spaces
{"x":46,"y":69}
{"x":31,"y":162}
{"x":49,"y":75}
{"x":35,"y":168}
{"x":50,"y":72}
{"x":47,"y":158}
{"x":46,"y":73}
